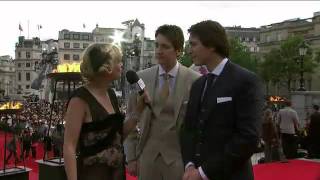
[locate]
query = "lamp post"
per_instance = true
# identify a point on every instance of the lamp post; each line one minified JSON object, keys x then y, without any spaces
{"x":302,"y":52}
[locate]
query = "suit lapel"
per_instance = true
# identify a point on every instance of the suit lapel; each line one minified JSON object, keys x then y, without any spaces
{"x":151,"y":80}
{"x":180,"y":89}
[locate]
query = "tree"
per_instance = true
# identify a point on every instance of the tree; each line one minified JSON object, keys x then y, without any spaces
{"x":240,"y":55}
{"x":271,"y":68}
{"x":186,"y":59}
{"x":281,"y":65}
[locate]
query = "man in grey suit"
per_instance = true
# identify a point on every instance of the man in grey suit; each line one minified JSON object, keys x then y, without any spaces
{"x":153,"y":151}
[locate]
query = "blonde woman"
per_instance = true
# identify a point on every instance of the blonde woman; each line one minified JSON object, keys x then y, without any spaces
{"x":94,"y":127}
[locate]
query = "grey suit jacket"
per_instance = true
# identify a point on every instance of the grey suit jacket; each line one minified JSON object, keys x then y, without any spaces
{"x":134,"y":144}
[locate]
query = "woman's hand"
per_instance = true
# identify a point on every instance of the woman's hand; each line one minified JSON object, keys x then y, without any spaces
{"x":141,"y":102}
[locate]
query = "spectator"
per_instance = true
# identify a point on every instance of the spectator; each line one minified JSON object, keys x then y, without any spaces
{"x":314,"y":133}
{"x":288,"y":124}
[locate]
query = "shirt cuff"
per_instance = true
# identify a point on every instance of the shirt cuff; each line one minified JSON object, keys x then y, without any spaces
{"x":188,"y":165}
{"x":202,"y":174}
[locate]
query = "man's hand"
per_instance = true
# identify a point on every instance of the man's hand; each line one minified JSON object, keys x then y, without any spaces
{"x":191,"y":173}
{"x":133,"y":168}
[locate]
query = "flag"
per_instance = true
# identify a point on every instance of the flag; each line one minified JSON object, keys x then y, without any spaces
{"x":20,"y":27}
{"x":83,"y":25}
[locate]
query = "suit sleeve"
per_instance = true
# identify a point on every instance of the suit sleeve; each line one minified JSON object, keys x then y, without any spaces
{"x":131,"y":141}
{"x":248,"y":118}
{"x":188,"y":132}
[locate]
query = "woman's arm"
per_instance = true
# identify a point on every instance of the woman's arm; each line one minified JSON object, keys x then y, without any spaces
{"x":136,"y":106}
{"x":74,"y":117}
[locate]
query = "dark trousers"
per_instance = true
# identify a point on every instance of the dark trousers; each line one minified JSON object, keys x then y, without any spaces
{"x":314,"y":147}
{"x":11,"y":152}
{"x":34,"y":151}
{"x":26,"y":150}
{"x":289,"y":145}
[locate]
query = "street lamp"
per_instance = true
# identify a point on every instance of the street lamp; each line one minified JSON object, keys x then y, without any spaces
{"x":302,"y":52}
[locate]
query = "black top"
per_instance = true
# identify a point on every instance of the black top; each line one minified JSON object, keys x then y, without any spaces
{"x":100,"y":141}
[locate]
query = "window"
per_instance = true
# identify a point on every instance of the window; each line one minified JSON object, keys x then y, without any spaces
{"x":19,"y":87}
{"x":19,"y":64}
{"x":254,"y":39}
{"x":28,"y":55}
{"x":66,"y":45}
{"x":66,"y":57}
{"x":268,"y":38}
{"x":19,"y":54}
{"x":252,"y":49}
{"x":76,"y":57}
{"x":19,"y":76}
{"x":27,"y":64}
{"x":66,"y":36}
{"x":76,"y":45}
{"x":28,"y":76}
{"x":76,"y":36}
{"x":85,"y":45}
{"x":27,"y":86}
{"x":85,"y":37}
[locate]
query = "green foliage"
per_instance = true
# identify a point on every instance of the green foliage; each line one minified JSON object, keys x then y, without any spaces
{"x":241,"y":56}
{"x":186,"y":60}
{"x":283,"y":64}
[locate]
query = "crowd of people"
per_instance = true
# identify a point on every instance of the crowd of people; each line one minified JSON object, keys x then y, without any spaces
{"x":284,"y":134}
{"x":197,"y":125}
{"x":31,"y":126}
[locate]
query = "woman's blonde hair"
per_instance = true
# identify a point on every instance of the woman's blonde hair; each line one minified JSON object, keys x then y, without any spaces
{"x":98,"y":58}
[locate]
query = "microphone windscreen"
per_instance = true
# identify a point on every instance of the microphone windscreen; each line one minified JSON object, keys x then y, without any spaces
{"x":132,"y":77}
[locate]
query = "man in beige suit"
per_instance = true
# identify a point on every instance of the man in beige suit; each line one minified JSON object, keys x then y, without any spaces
{"x":153,"y":151}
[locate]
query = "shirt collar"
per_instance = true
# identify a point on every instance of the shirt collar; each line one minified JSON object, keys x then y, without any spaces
{"x":173,"y":72}
{"x":217,"y":71}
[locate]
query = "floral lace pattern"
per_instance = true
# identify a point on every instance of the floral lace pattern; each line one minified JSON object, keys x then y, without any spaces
{"x":92,"y":137}
{"x":112,"y":155}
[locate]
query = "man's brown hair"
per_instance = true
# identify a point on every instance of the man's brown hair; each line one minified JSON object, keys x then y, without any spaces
{"x":211,"y":34}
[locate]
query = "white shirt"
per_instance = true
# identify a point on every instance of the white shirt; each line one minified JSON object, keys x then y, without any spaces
{"x":216,"y":71}
{"x":173,"y":76}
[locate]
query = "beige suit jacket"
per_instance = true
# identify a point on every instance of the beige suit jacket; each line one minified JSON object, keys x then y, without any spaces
{"x":134,"y":143}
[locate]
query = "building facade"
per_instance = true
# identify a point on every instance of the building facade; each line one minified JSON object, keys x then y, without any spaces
{"x":247,"y":36}
{"x":27,"y":57}
{"x":271,"y":36}
{"x":72,"y":44}
{"x":7,"y":77}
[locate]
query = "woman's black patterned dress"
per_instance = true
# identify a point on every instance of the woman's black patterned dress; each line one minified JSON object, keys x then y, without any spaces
{"x":100,"y":150}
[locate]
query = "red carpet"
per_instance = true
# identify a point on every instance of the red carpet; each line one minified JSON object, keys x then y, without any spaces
{"x":294,"y":170}
{"x":29,"y":162}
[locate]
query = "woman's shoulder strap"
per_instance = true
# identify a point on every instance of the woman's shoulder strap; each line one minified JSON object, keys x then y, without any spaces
{"x":114,"y":100}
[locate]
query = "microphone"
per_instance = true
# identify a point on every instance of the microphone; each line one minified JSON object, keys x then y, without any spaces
{"x":133,"y":78}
